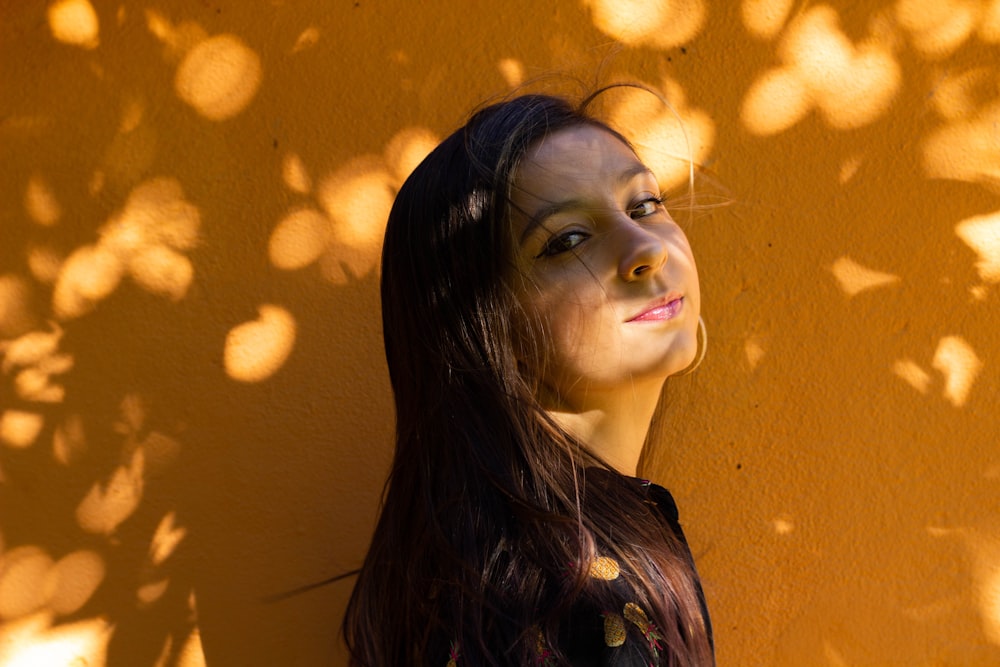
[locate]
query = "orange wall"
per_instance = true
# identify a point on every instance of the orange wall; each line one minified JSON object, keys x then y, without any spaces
{"x":194,"y":410}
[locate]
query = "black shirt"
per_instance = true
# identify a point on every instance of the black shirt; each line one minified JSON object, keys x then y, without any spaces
{"x":624,"y":637}
{"x":593,"y":636}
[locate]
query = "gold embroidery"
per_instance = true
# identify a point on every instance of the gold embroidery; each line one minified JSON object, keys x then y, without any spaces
{"x":605,"y":568}
{"x":614,"y":630}
{"x":634,"y":613}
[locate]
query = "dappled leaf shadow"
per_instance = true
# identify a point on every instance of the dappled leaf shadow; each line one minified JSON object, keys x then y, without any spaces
{"x":194,"y":410}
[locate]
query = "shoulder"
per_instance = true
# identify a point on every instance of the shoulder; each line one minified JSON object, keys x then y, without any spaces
{"x":652,"y":494}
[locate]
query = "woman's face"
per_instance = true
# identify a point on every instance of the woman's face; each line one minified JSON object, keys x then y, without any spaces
{"x":602,"y":266}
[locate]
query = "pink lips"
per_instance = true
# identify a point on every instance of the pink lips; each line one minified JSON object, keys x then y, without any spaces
{"x":664,"y":309}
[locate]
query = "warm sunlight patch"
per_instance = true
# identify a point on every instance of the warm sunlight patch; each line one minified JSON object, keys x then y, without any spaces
{"x":44,"y":263}
{"x":853,"y":278}
{"x":966,"y":150}
{"x":152,"y":592}
{"x":958,"y":362}
{"x":36,"y":383}
{"x":23,"y":572}
{"x":989,"y":603}
{"x":406,"y":150}
{"x":73,"y":580}
{"x":168,"y":535}
{"x":983,"y":545}
{"x":106,"y":505}
{"x":31,"y":349}
{"x":40,"y":201}
{"x":668,"y":139}
{"x":162,"y":270}
{"x":295,"y":175}
{"x":911,"y":372}
{"x":133,"y":414}
{"x":20,"y":429}
{"x":255,"y":350}
{"x":765,"y":18}
{"x":512,"y":71}
{"x":155,"y":212}
{"x":783,"y":525}
{"x":87,"y":277}
{"x":299,"y":239}
{"x":346,"y":236}
{"x":69,"y":441}
{"x":982,"y":234}
{"x":34,"y":642}
{"x":662,"y":24}
{"x":776,"y":101}
{"x":754,"y":352}
{"x":178,"y":39}
{"x":849,"y":168}
{"x":33,"y":384}
{"x":143,"y":240}
{"x":219,"y":77}
{"x":35,"y":361}
{"x":192,"y":654}
{"x":938,"y":28}
{"x":989,"y":23}
{"x":357,"y":198}
{"x":74,"y":22}
{"x":849,"y":84}
{"x":958,"y":94}
{"x":364,"y":203}
{"x":307,"y":39}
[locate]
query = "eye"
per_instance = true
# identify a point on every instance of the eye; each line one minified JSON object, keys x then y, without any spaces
{"x":645,"y":207}
{"x":562,"y":243}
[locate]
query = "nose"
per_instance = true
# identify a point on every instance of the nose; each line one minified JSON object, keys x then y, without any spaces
{"x":643,"y":252}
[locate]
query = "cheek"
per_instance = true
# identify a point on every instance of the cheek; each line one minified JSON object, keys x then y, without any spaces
{"x":575,"y":319}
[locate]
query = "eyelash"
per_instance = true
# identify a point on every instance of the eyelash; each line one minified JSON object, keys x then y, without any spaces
{"x":560,"y":243}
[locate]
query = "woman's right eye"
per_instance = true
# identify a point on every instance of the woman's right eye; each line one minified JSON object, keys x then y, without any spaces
{"x":562,"y":243}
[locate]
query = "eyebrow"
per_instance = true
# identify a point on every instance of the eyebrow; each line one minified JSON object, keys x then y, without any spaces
{"x":545,"y":212}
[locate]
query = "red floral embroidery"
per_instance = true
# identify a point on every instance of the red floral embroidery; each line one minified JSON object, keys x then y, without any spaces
{"x":453,"y":655}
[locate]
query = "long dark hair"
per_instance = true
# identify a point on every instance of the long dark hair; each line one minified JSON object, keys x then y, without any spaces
{"x":492,"y":514}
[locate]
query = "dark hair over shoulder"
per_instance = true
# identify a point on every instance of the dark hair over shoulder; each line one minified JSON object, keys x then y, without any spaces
{"x":490,"y":519}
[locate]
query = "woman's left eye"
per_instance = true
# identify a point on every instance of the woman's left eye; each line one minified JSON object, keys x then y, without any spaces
{"x":645,"y":207}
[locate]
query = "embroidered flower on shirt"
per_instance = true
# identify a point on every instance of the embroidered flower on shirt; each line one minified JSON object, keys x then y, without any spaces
{"x":544,"y":656}
{"x":453,"y":655}
{"x":605,"y":568}
{"x":614,"y":630}
{"x":637,"y":616}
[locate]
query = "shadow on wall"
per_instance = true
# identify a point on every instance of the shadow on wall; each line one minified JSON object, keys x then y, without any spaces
{"x":194,"y":411}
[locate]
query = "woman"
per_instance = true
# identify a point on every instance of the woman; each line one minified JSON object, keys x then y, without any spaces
{"x":535,"y":297}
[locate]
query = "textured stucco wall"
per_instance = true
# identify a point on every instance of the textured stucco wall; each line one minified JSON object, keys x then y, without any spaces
{"x":194,"y":410}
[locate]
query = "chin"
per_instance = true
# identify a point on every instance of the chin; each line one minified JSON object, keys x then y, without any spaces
{"x":686,"y":354}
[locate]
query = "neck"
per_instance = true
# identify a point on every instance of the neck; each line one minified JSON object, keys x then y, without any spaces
{"x":613,"y":425}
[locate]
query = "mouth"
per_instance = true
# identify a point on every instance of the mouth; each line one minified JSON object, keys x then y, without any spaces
{"x":666,"y":308}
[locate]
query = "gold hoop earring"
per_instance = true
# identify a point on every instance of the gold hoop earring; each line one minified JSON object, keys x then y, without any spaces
{"x":702,"y":337}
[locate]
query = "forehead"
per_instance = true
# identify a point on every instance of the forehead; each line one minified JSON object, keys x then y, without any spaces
{"x":573,"y":155}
